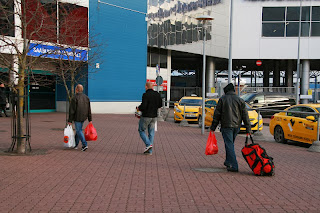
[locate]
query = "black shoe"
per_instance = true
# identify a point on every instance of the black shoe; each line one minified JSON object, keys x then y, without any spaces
{"x":230,"y":169}
{"x":227,"y":165}
{"x":84,"y":148}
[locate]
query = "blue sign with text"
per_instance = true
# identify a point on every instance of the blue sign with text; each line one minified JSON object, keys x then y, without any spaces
{"x":47,"y":51}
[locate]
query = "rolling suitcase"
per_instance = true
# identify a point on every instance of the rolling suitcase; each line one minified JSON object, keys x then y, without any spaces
{"x":260,"y":163}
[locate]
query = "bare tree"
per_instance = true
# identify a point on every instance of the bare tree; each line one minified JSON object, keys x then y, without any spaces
{"x":34,"y":32}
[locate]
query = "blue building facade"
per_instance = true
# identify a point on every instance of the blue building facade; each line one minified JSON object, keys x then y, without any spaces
{"x":118,"y":74}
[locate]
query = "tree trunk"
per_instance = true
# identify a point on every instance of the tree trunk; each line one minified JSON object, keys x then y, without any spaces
{"x":21,"y":148}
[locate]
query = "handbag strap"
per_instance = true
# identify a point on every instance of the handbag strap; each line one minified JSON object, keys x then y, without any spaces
{"x":247,"y":138}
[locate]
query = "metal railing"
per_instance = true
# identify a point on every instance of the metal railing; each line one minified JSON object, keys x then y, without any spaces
{"x":269,"y":89}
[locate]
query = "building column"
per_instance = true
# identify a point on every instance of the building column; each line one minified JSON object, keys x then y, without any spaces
{"x":289,"y":76}
{"x":266,"y":75}
{"x":305,"y":79}
{"x":276,"y":74}
{"x":168,"y":76}
{"x":210,"y":71}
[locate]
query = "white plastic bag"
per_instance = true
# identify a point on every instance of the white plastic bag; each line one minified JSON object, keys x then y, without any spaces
{"x":68,"y":139}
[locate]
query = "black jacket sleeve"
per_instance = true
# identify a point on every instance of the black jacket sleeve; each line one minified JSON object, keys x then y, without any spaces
{"x":72,"y":110}
{"x":245,"y":117}
{"x":144,"y":103}
{"x":216,"y":116}
{"x":89,"y":112}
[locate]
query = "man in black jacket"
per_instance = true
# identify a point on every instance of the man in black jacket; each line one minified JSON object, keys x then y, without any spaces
{"x":230,"y":112}
{"x":79,"y":111}
{"x":151,"y":101}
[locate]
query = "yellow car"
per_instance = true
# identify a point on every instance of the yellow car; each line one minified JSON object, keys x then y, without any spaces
{"x":253,"y":117}
{"x":209,"y":110}
{"x":191,"y":104}
{"x":294,"y":125}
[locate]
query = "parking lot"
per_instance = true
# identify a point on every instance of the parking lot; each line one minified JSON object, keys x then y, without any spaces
{"x":114,"y":176}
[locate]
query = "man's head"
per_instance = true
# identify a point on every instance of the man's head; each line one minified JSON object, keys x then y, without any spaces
{"x":229,"y":88}
{"x":149,"y":85}
{"x":79,"y":88}
{"x":2,"y":85}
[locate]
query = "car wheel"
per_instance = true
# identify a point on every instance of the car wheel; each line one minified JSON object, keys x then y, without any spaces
{"x":200,"y":121}
{"x":279,"y":135}
{"x":176,"y":121}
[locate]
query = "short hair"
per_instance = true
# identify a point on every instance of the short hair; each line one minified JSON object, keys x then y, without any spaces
{"x":149,"y":85}
{"x":79,"y":88}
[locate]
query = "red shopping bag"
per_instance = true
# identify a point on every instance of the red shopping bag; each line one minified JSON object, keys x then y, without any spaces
{"x":212,"y":146}
{"x":90,"y":133}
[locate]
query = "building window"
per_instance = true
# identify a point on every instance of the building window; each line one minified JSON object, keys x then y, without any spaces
{"x":284,"y":21}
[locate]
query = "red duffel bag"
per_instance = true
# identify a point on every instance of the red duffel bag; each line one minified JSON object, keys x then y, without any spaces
{"x":90,"y":133}
{"x":260,"y":163}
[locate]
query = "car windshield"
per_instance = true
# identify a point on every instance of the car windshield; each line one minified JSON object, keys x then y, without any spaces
{"x":317,"y":108}
{"x":248,"y":107}
{"x":191,"y":102}
{"x":247,"y":97}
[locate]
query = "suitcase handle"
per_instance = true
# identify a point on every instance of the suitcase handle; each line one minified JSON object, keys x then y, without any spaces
{"x":248,"y":138}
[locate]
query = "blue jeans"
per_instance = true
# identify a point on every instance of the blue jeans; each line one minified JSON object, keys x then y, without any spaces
{"x":144,"y":124}
{"x":229,"y":135}
{"x":79,"y":134}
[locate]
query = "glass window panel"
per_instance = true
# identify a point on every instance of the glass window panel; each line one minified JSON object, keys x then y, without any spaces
{"x":194,"y":34}
{"x":305,"y":29}
{"x":178,"y":37}
{"x":163,"y":61}
{"x":178,"y":26}
{"x":154,"y":59}
{"x":148,"y":59}
{"x":315,"y":13}
{"x":292,"y":29}
{"x":189,"y":36}
{"x":273,"y":14}
{"x":293,"y":13}
{"x":315,"y":29}
{"x":172,"y":38}
{"x":160,"y":40}
{"x":305,"y":14}
{"x":173,"y":28}
{"x":184,"y":37}
{"x":273,"y":29}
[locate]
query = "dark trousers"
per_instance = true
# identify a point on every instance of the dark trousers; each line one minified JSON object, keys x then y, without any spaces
{"x":3,"y":108}
{"x":229,"y":135}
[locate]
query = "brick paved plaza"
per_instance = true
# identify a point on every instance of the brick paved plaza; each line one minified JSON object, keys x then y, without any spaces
{"x":114,"y":176}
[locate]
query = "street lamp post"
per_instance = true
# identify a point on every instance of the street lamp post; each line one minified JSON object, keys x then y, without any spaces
{"x":204,"y":18}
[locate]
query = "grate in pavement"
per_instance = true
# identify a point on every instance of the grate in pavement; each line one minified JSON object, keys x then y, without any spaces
{"x":48,"y":121}
{"x":3,"y":131}
{"x":211,"y":170}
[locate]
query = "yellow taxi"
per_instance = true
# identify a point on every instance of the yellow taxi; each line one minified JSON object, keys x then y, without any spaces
{"x":210,"y":104}
{"x":295,"y":124}
{"x":253,"y":116}
{"x":191,"y":106}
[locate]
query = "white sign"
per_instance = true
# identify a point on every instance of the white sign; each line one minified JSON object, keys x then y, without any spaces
{"x":212,"y":94}
{"x":305,"y":96}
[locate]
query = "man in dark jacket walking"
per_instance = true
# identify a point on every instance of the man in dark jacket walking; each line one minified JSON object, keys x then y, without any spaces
{"x":79,"y":111}
{"x":151,"y":102}
{"x":230,"y":112}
